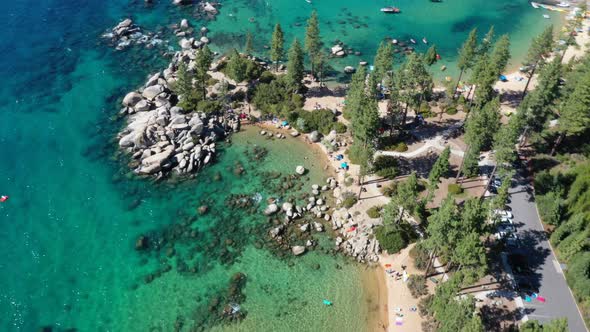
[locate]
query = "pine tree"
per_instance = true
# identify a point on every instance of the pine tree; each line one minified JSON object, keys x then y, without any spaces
{"x":366,"y":121}
{"x":414,"y":82}
{"x":189,"y":96}
{"x":430,"y":56}
{"x":203,"y":63}
{"x":313,"y":40}
{"x":483,"y":124}
{"x":276,"y":45}
{"x":440,"y":168}
{"x":467,"y":55}
{"x":540,"y":48}
{"x":237,"y":67}
{"x":295,"y":70}
{"x":574,"y":117}
{"x":249,"y":43}
{"x":486,"y":42}
{"x":470,"y":166}
{"x":355,"y":92}
{"x":537,"y":104}
{"x":501,"y":54}
{"x":384,"y":63}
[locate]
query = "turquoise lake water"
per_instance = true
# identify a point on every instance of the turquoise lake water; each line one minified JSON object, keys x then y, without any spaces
{"x":70,"y":225}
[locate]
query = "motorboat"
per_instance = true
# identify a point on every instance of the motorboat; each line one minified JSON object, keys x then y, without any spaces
{"x":546,"y":16}
{"x":412,"y":41}
{"x":390,"y":10}
{"x":563,"y":4}
{"x":424,"y":40}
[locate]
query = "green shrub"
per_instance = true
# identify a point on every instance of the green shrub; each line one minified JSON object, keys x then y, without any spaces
{"x":425,"y":110}
{"x":550,"y":207}
{"x":401,"y":147}
{"x":339,"y":127}
{"x":266,"y":77}
{"x":417,"y":286}
{"x":454,"y":189}
{"x":212,"y":81}
{"x":578,"y":275}
{"x":209,"y":106}
{"x":349,"y":199}
{"x":389,"y":191}
{"x":420,"y":256}
{"x":451,"y":110}
{"x":391,"y":239}
{"x":385,"y":166}
{"x":320,"y":120}
{"x":348,"y":181}
{"x":374,"y":211}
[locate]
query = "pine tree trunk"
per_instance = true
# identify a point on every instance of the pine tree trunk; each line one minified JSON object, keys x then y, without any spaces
{"x":431,"y":257}
{"x":403,"y":124}
{"x":360,"y":186}
{"x":524,"y":137}
{"x":462,"y":163}
{"x":557,"y":142}
{"x":456,"y":86}
{"x":529,"y":80}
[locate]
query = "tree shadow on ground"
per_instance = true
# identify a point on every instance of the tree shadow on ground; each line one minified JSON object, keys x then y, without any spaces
{"x":527,"y":260}
{"x":421,"y":164}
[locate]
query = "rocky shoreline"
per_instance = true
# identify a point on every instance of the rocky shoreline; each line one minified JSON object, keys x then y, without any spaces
{"x":351,"y":236}
{"x":161,"y":137}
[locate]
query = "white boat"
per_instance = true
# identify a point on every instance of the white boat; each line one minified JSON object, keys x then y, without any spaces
{"x":535,"y":5}
{"x":412,"y":41}
{"x":563,"y":4}
{"x":394,"y":41}
{"x":424,"y":40}
{"x":546,"y":16}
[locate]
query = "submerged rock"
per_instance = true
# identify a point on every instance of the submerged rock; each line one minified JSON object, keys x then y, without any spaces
{"x":298,"y":250}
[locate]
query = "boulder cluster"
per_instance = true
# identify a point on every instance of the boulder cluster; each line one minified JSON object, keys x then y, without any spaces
{"x":162,"y":137}
{"x":353,"y":240}
{"x":126,"y":34}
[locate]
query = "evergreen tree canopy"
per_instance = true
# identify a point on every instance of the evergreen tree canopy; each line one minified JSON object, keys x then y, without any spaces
{"x":384,"y":63}
{"x":538,"y":104}
{"x":430,"y":56}
{"x":276,"y":44}
{"x":440,"y":168}
{"x":312,"y":37}
{"x":575,"y":112}
{"x":483,"y":124}
{"x":295,"y":69}
{"x":467,"y":53}
{"x":486,"y":42}
{"x":237,"y":67}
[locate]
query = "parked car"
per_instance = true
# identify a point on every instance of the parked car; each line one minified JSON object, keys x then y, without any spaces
{"x":512,"y":239}
{"x":503,"y":214}
{"x":506,"y":228}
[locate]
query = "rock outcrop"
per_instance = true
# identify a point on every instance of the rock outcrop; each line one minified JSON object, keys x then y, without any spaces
{"x":163,"y":138}
{"x":126,"y":34}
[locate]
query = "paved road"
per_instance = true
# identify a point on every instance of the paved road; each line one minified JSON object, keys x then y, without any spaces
{"x":543,"y":274}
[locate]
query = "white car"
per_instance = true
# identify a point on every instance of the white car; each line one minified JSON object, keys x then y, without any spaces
{"x":503,"y":214}
{"x":506,"y":220}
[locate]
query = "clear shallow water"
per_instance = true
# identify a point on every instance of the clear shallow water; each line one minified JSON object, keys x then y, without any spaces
{"x":68,"y":230}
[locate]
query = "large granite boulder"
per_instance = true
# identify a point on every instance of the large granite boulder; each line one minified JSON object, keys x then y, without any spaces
{"x":151,"y":92}
{"x":131,"y":99}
